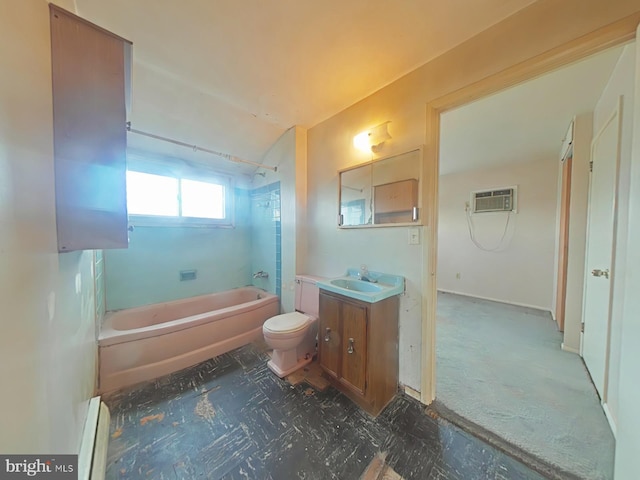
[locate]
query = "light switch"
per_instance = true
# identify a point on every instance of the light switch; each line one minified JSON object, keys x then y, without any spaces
{"x":414,"y":236}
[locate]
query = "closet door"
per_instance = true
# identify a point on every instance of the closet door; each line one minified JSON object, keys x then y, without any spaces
{"x":89,"y":117}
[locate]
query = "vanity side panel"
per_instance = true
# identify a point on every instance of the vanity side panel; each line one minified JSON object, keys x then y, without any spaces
{"x":382,"y":368}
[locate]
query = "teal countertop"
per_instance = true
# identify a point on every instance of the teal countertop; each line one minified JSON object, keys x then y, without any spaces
{"x":378,"y":287}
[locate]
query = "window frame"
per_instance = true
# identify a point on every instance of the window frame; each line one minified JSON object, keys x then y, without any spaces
{"x":180,"y":169}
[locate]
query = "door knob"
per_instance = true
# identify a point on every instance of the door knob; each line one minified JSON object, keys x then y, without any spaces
{"x":596,"y":272}
{"x":350,"y":347}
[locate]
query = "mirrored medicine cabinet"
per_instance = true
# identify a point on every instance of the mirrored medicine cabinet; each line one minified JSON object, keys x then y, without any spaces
{"x":383,"y":192}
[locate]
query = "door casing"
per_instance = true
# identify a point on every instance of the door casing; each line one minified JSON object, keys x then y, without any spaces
{"x":617,"y":33}
{"x":615,"y":119}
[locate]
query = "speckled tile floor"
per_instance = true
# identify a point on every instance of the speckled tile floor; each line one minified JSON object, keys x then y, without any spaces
{"x":232,"y":418}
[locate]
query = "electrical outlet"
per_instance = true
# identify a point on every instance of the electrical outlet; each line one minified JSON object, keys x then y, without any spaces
{"x":414,"y":236}
{"x":458,"y":276}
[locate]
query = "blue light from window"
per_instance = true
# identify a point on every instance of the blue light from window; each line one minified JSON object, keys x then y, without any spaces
{"x":202,"y":199}
{"x":149,"y":194}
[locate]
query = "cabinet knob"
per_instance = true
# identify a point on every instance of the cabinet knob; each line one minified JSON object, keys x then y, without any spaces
{"x":350,"y":347}
{"x":327,"y":334}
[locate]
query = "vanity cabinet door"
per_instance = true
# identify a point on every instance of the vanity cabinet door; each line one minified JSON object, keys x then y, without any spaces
{"x":329,"y":335}
{"x":354,"y":346}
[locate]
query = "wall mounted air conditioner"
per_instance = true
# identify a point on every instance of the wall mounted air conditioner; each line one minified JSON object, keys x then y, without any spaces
{"x":496,"y":200}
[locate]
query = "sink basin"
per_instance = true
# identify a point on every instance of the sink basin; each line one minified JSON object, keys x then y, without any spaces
{"x":357,"y":285}
{"x":383,"y":286}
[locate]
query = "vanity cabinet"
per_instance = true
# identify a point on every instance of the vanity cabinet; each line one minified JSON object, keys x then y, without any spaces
{"x":358,"y":348}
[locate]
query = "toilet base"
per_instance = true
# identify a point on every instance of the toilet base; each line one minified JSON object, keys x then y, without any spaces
{"x":283,"y":373}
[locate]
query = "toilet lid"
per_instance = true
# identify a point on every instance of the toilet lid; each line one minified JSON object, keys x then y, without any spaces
{"x":287,"y":322}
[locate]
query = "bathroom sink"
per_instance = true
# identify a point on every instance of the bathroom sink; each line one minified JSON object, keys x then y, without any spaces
{"x":357,"y":285}
{"x":381,"y":286}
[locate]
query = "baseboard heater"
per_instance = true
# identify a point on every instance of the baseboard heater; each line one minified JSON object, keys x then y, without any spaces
{"x":92,"y":460}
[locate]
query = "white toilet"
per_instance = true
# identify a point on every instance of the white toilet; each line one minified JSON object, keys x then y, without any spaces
{"x":293,"y":335}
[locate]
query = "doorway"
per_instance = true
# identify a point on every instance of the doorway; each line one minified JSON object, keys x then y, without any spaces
{"x":497,"y":271}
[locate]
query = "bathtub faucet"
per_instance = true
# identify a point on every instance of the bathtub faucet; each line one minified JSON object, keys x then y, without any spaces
{"x":261,"y":274}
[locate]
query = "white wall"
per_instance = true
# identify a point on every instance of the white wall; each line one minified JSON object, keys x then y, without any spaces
{"x":522,"y":271}
{"x":47,"y":345}
{"x":289,"y":155}
{"x":628,"y":436}
{"x":167,"y":103}
{"x":621,"y":83}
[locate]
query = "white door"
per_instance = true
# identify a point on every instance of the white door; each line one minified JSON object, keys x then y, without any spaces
{"x":600,"y":240}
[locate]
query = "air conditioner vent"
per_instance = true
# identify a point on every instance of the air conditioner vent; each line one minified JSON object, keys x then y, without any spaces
{"x":501,"y":200}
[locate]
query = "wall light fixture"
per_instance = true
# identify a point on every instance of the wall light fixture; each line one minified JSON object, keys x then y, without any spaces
{"x":373,"y":139}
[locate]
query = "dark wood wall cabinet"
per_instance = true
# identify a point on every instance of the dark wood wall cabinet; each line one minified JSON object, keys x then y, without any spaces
{"x":90,"y":71}
{"x":358,"y":348}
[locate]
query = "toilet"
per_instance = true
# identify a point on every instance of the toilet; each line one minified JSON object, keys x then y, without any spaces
{"x":293,"y":335}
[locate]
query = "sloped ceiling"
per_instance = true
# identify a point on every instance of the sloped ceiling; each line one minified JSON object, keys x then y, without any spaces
{"x":524,"y":123}
{"x":233,"y":75}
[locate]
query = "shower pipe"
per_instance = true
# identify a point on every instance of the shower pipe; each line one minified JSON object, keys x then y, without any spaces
{"x":195,"y":148}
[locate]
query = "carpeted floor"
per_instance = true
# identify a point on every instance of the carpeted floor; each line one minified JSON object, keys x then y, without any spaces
{"x":501,"y":367}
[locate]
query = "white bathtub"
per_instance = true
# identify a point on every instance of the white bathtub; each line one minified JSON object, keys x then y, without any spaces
{"x":143,"y":343}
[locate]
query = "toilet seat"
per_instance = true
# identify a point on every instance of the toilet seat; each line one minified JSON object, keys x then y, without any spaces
{"x":286,"y":323}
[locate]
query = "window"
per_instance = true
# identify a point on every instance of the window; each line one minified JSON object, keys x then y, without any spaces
{"x":149,"y":194}
{"x":154,"y":199}
{"x":353,"y":212}
{"x":202,"y":199}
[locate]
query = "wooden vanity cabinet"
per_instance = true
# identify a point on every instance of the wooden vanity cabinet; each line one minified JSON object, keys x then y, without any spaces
{"x":358,"y":348}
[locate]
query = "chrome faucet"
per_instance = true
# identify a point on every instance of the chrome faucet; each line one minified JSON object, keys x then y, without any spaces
{"x":363,"y":275}
{"x":261,"y":274}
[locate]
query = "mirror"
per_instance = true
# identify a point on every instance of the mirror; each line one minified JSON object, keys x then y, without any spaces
{"x":382,"y":192}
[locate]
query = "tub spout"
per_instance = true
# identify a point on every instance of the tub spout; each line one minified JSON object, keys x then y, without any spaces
{"x":261,"y":274}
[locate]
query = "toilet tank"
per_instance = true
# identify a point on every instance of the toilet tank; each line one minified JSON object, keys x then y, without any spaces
{"x":307,"y":294}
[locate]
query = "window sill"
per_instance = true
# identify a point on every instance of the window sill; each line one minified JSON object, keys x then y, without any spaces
{"x":176,"y":222}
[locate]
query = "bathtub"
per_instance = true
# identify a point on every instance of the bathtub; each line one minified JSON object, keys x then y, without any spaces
{"x":143,"y":343}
